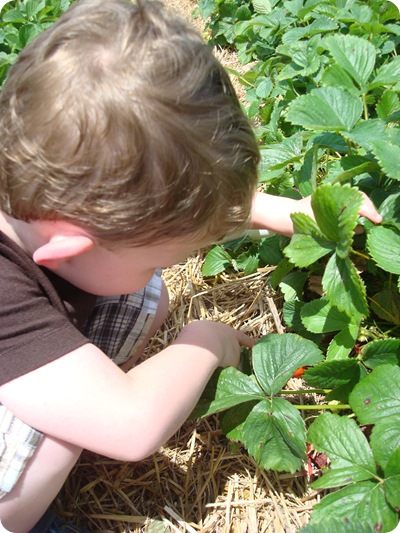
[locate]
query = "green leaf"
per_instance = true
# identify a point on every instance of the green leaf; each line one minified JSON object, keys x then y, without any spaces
{"x":336,"y":76}
{"x":284,"y":267}
{"x":388,"y":104}
{"x":385,"y":440}
{"x":336,"y":212}
{"x":336,"y":526}
{"x":270,"y":250}
{"x":247,"y":261}
{"x":334,"y":141}
{"x":391,"y":487}
{"x":345,"y":374}
{"x":232,"y":420}
{"x":14,"y":16}
{"x":274,"y":434}
{"x":304,"y":250}
{"x":342,"y":343}
{"x":377,"y":397}
{"x":388,"y":74}
{"x":392,"y":468}
{"x":341,"y":394}
{"x":7,"y":59}
{"x":362,"y":13}
{"x":33,"y":7}
{"x":305,"y":57}
{"x":368,"y":167}
{"x":325,"y":108}
{"x":390,"y":209}
{"x":12,"y":41}
{"x":392,"y":482}
{"x":386,"y":304}
{"x":28,"y":32}
{"x":281,"y":154}
{"x":217,"y":260}
{"x":157,"y":526}
{"x":366,"y":133}
{"x":262,"y":6}
{"x":305,"y":179}
{"x":264,"y":87}
{"x":276,"y":157}
{"x":227,"y":387}
{"x":304,"y":54}
{"x":362,"y":502}
{"x":319,"y":316}
{"x":291,"y":315}
{"x":207,"y":7}
{"x":347,"y":448}
{"x":388,"y":156}
{"x":331,"y":374}
{"x":304,"y":224}
{"x":384,"y":246}
{"x":380,"y":352}
{"x":319,"y":25}
{"x":344,"y":287}
{"x":355,"y":55}
{"x":292,"y":285}
{"x":276,"y":357}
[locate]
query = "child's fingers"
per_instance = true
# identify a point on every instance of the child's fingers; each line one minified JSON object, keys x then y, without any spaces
{"x":369,"y":211}
{"x":245,"y":340}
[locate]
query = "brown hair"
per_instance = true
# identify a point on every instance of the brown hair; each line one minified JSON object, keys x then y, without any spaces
{"x":119,"y":118}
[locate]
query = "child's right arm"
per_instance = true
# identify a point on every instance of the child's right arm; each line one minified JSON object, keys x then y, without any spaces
{"x":85,"y":399}
{"x":273,"y":212}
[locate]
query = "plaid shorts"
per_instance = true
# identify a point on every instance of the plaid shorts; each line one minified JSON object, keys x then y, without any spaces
{"x":117,"y":325}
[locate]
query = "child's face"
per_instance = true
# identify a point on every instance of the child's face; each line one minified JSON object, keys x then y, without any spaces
{"x":104,"y":272}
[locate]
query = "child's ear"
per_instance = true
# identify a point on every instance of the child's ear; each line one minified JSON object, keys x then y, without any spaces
{"x":59,"y":249}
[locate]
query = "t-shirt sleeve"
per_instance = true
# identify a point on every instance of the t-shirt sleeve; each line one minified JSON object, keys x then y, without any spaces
{"x":35,"y":327}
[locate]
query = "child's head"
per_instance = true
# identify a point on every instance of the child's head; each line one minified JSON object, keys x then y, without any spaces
{"x":119,"y":119}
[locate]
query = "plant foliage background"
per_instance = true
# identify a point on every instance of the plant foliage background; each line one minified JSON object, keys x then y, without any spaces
{"x":322,"y":84}
{"x":21,"y":21}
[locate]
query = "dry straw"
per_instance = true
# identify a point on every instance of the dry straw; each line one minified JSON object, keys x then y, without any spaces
{"x":198,"y":481}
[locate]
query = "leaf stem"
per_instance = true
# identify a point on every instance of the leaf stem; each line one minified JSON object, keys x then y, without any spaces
{"x":338,"y":407}
{"x":355,"y":252}
{"x":364,"y":98}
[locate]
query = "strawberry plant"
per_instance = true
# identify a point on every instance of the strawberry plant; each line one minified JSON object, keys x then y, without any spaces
{"x":358,"y":382}
{"x":323,"y":91}
{"x":20,"y":22}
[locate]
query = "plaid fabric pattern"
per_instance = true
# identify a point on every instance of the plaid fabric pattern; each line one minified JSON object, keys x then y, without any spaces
{"x":117,"y":326}
{"x":18,"y":441}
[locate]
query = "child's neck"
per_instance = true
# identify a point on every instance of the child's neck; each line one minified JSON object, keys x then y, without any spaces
{"x":18,"y":231}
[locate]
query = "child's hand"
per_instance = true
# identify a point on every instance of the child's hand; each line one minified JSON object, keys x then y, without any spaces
{"x":223,"y":341}
{"x":367,"y":208}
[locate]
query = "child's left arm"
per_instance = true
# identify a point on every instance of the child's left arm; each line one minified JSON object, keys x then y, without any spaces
{"x":273,"y":212}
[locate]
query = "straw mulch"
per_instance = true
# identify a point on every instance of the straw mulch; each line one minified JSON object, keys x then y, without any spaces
{"x":198,"y":481}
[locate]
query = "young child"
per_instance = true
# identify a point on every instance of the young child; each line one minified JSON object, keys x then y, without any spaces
{"x":123,"y":149}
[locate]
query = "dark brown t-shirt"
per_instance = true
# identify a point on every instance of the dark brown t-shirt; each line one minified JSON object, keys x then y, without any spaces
{"x":40,"y":313}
